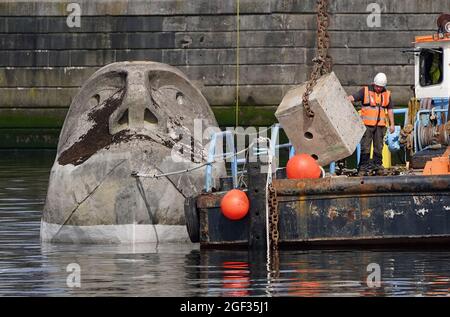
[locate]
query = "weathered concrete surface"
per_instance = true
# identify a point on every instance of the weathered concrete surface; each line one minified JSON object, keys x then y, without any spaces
{"x":334,"y":131}
{"x":213,"y":7}
{"x":108,"y":234}
{"x":127,"y":117}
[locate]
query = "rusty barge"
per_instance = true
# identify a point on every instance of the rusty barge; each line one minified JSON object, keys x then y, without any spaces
{"x":364,"y":211}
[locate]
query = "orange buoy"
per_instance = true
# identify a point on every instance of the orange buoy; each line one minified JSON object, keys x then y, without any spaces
{"x":235,"y":204}
{"x":302,"y":166}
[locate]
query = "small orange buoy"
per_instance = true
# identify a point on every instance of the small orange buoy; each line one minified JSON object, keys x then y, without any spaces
{"x":235,"y":204}
{"x":302,"y":166}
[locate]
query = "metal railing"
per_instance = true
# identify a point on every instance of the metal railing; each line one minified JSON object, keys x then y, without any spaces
{"x":212,"y":156}
{"x":228,"y":136}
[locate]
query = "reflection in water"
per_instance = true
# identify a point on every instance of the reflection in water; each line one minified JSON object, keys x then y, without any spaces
{"x":236,"y":279}
{"x":28,"y":268}
{"x":328,"y":273}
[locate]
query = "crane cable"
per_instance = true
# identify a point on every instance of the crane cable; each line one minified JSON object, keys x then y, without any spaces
{"x":237,"y":61}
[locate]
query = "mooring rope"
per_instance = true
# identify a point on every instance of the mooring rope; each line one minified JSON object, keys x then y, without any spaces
{"x":187,"y":170}
{"x":256,"y":133}
{"x":268,"y":182}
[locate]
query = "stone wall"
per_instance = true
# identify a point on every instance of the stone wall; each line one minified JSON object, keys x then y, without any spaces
{"x":43,"y":62}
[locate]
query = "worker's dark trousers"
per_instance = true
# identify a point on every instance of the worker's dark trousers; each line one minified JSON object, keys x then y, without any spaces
{"x":375,"y":134}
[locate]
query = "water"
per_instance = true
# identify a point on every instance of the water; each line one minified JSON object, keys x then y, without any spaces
{"x":28,"y":268}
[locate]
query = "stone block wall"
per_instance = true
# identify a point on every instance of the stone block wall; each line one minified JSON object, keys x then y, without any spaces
{"x":43,"y":61}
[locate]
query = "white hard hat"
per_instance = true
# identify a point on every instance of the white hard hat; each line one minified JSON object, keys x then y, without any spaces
{"x":380,"y":80}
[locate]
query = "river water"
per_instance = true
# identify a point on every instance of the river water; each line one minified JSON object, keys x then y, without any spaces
{"x":29,"y":268}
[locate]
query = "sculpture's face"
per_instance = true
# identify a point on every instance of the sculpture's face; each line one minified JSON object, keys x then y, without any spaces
{"x":125,"y":100}
{"x":128,"y":117}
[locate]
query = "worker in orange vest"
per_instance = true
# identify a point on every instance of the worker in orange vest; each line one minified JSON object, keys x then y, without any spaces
{"x":375,"y":99}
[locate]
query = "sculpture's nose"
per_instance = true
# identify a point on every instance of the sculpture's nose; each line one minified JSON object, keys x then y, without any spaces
{"x":136,"y":111}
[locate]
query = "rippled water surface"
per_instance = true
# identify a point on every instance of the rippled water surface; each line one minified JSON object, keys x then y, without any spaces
{"x":28,"y":268}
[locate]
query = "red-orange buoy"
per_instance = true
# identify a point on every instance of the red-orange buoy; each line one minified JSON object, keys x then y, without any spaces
{"x":235,"y":204}
{"x":302,"y":166}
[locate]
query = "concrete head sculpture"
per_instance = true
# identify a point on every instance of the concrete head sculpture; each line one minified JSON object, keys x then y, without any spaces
{"x":129,"y":116}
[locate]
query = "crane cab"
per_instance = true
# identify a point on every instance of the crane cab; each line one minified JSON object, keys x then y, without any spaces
{"x":432,"y":66}
{"x":432,"y":62}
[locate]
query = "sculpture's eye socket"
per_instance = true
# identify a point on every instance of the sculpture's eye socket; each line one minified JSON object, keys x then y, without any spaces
{"x":94,"y":101}
{"x":103,"y":88}
{"x":180,"y":98}
{"x":175,"y":97}
{"x":102,"y":94}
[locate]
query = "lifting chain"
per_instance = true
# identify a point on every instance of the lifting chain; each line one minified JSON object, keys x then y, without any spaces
{"x":406,"y":138}
{"x":322,"y":62}
{"x":273,"y":217}
{"x":273,"y":228}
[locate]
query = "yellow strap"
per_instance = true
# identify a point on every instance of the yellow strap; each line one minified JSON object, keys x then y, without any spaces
{"x":237,"y":62}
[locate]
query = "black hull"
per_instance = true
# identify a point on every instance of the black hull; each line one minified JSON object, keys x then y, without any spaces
{"x":373,"y":212}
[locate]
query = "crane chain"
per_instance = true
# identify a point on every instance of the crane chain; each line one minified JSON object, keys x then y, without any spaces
{"x":273,"y":217}
{"x":323,"y":62}
{"x":274,"y":233}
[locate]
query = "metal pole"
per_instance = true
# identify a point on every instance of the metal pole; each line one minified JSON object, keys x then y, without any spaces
{"x":257,"y":196}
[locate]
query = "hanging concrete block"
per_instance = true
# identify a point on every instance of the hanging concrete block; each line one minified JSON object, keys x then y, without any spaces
{"x":335,"y":130}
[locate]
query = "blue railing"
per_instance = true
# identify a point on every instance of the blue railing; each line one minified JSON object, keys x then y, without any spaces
{"x":275,"y":131}
{"x":212,"y":156}
{"x":232,"y":154}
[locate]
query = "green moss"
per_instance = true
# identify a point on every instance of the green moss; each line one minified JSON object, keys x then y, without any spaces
{"x":29,"y":138}
{"x":54,"y":118}
{"x":32,"y":118}
{"x":248,"y":115}
{"x":39,"y":128}
{"x":2,"y":78}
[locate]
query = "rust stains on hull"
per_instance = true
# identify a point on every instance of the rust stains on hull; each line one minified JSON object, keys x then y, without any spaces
{"x":362,"y":185}
{"x":374,"y":211}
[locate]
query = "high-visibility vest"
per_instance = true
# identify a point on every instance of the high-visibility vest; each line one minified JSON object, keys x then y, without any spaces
{"x":374,"y":105}
{"x":435,"y":71}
